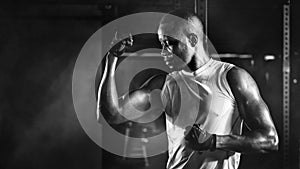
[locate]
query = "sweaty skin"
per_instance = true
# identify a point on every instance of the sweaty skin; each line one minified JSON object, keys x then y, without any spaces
{"x":262,"y":136}
{"x":253,"y":110}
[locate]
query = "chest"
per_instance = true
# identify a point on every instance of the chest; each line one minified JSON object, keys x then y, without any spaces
{"x":202,"y":102}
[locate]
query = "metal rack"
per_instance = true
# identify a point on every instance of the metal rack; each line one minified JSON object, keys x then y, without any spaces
{"x":286,"y":84}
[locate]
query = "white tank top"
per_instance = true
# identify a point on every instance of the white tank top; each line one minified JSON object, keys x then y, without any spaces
{"x":202,"y":97}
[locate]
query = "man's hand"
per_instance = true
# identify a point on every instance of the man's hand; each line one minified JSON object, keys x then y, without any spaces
{"x":198,"y":139}
{"x":119,"y":47}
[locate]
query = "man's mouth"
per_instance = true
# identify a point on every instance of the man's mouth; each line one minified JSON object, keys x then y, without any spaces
{"x":169,"y":60}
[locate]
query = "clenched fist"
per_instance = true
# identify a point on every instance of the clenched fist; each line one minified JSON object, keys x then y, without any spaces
{"x":119,"y":47}
{"x":198,"y":139}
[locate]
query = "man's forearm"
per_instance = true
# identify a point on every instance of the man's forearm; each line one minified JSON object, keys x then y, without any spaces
{"x":254,"y":141}
{"x":107,"y":95}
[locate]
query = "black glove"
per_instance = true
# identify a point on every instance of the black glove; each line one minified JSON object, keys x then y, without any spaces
{"x":198,"y":139}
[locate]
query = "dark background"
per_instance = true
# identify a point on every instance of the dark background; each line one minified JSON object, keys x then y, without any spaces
{"x":39,"y":44}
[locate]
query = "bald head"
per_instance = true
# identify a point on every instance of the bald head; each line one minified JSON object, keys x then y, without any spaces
{"x":182,"y":22}
{"x":181,"y":35}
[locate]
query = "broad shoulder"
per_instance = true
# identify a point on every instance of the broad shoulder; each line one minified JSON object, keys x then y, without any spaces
{"x":237,"y":75}
{"x":241,"y":82}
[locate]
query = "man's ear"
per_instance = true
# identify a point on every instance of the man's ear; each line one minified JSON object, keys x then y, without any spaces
{"x":193,"y":39}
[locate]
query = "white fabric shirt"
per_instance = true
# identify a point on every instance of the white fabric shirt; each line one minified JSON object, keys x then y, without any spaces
{"x":202,"y":97}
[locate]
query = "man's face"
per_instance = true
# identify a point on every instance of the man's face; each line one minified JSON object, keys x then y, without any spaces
{"x":176,"y":48}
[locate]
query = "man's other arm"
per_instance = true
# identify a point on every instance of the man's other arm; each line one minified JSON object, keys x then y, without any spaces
{"x":262,"y":136}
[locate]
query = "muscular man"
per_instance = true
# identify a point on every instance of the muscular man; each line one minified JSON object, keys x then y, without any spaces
{"x":205,"y":101}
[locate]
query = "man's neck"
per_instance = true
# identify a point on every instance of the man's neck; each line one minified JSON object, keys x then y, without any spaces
{"x":198,"y":60}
